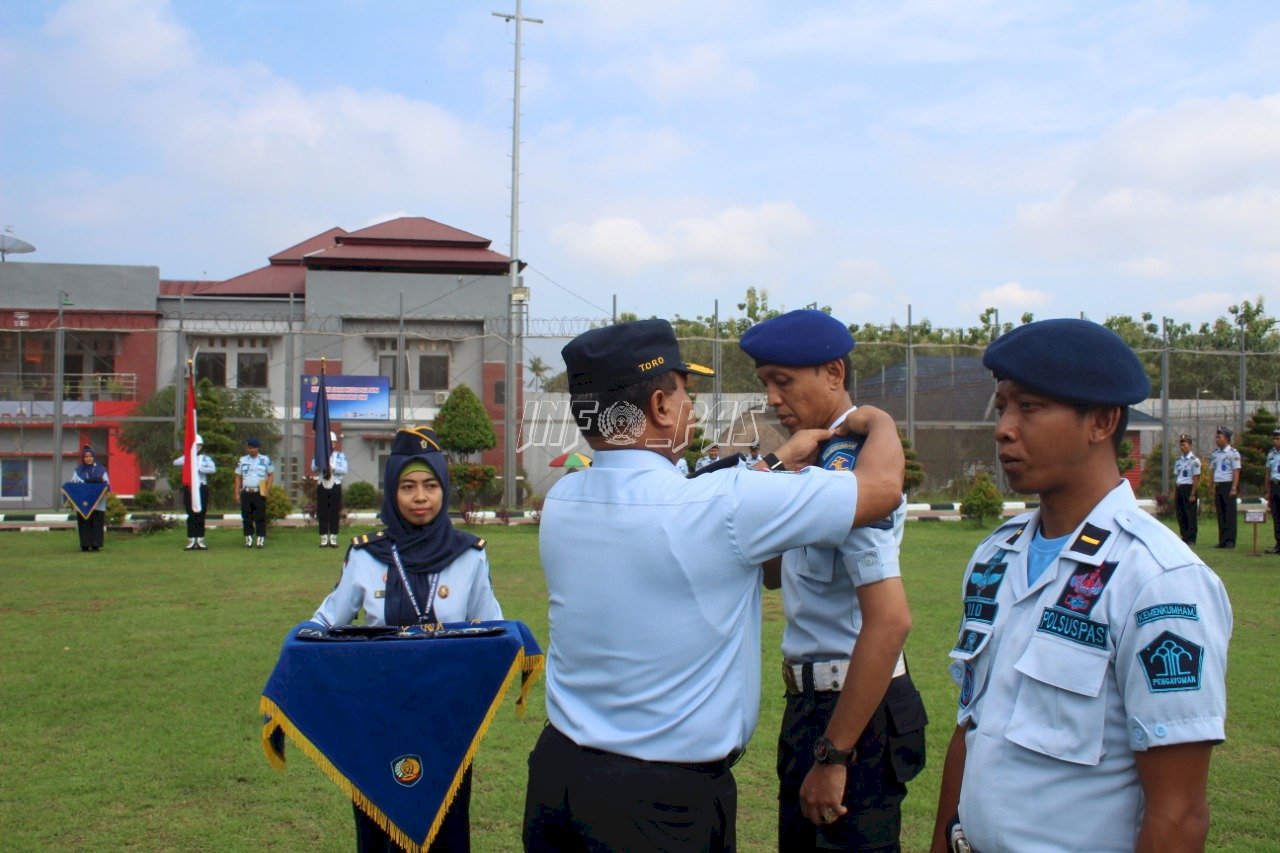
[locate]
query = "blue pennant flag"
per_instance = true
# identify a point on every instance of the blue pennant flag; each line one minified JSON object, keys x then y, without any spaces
{"x":83,"y":496}
{"x":394,"y":715}
{"x":324,"y":442}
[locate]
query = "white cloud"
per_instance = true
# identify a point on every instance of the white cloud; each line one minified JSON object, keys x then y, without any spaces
{"x":699,"y":246}
{"x":1011,"y":296}
{"x":699,"y":71}
{"x":1212,"y":304}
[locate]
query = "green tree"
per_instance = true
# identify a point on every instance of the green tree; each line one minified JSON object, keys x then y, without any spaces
{"x":463,"y":426}
{"x":1151,"y":481}
{"x":1124,"y":456}
{"x":1253,"y":447}
{"x":226,"y":417}
{"x":538,"y":370}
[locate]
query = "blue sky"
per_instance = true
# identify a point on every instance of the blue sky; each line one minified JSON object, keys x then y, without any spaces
{"x":1052,"y":157}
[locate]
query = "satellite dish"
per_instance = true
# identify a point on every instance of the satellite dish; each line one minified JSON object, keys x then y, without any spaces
{"x":10,"y":245}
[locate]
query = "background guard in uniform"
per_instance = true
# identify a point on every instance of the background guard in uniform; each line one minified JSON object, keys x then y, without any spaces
{"x":1273,"y":487}
{"x":329,"y":494}
{"x":1092,"y":652}
{"x":853,"y":729}
{"x":1225,"y":462}
{"x":1186,"y":475}
{"x":195,"y":520}
{"x":92,"y":527}
{"x":254,"y":475}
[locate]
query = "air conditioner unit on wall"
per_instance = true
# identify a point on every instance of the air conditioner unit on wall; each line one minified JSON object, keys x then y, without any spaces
{"x":441,"y":396}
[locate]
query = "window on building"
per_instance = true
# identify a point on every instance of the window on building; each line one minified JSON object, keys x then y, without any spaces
{"x":212,"y":366}
{"x":433,"y":373}
{"x":387,"y":367}
{"x":500,"y":392}
{"x":251,"y":370}
{"x":15,"y":478}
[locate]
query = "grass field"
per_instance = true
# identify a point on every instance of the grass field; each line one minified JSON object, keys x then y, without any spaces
{"x":130,"y":681}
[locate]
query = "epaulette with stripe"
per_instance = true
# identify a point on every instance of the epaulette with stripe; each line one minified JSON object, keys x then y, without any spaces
{"x":365,"y":538}
{"x":479,"y":544}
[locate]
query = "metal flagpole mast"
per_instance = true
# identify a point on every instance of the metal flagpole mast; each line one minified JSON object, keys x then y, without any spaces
{"x":518,"y":294}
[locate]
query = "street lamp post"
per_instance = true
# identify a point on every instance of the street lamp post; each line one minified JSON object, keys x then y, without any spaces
{"x":59,"y":379}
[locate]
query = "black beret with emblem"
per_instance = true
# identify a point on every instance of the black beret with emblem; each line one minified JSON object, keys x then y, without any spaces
{"x":623,"y":354}
{"x":1076,"y":361}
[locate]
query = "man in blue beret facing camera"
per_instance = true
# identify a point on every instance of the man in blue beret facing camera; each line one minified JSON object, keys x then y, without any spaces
{"x":1092,"y":650}
{"x":653,"y":667}
{"x":853,"y":729}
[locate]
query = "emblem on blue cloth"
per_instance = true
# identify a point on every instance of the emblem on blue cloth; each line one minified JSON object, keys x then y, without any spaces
{"x":969,"y":641}
{"x":980,"y":590}
{"x":1172,"y":663}
{"x":407,"y":770}
{"x":1083,"y":588}
{"x":1172,"y":610}
{"x":840,"y":454}
{"x":1074,"y":627}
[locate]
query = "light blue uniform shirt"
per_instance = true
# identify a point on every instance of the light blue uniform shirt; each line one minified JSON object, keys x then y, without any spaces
{"x":654,"y":588}
{"x":204,"y":467}
{"x":253,"y":470}
{"x":1120,"y":646}
{"x":820,"y":585}
{"x":463,"y":593}
{"x":1186,"y":468}
{"x":1273,"y":463}
{"x":1224,"y":460}
{"x":337,"y":467}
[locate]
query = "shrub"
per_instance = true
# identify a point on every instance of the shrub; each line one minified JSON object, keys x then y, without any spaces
{"x":361,"y":495}
{"x":278,"y":504}
{"x":983,"y":502}
{"x":116,"y":510}
{"x":470,"y":480}
{"x":147,"y":499}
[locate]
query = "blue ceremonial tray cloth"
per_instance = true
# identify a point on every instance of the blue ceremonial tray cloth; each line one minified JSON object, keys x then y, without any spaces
{"x":394,"y":716}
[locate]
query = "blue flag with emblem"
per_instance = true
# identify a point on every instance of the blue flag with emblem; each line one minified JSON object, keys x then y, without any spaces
{"x":83,"y":496}
{"x":324,"y":443}
{"x":394,"y":716}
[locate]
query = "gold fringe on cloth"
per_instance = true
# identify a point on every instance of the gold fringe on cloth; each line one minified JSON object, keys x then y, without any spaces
{"x":529,"y":666}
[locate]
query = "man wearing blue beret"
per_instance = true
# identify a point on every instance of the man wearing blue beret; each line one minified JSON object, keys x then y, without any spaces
{"x":653,"y":579}
{"x":1092,"y":650}
{"x":853,"y":728}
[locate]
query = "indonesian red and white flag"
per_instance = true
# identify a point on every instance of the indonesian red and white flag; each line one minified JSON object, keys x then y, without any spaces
{"x":191,"y":455}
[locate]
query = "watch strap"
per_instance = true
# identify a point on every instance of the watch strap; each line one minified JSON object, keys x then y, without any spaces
{"x":772,"y":461}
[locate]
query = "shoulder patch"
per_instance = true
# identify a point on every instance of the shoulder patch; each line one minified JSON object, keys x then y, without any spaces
{"x":1171,"y":663}
{"x":365,"y":538}
{"x":479,"y":544}
{"x":1090,"y":540}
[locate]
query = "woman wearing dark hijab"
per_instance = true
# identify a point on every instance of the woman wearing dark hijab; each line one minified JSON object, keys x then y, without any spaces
{"x":92,"y":528}
{"x":419,"y":570}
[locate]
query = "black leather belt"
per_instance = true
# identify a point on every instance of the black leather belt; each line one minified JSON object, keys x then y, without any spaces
{"x":711,"y":768}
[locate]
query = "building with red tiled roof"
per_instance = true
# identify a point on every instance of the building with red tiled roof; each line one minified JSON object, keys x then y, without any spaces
{"x":412,"y":303}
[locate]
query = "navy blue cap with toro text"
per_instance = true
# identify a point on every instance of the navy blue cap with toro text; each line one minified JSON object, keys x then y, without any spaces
{"x":1072,"y":360}
{"x":616,"y":356}
{"x":802,"y":338}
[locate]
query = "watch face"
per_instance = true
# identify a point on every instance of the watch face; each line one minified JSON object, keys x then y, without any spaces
{"x":821,"y":748}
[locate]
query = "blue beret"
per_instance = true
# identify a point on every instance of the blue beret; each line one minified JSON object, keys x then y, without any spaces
{"x":1072,"y":360}
{"x":798,"y":339}
{"x":252,"y":441}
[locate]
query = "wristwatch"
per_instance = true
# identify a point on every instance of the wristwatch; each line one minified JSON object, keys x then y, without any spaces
{"x":825,"y":752}
{"x":772,"y":461}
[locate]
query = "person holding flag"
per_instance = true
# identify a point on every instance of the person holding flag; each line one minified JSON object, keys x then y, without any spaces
{"x":330,"y":463}
{"x":196,"y":468}
{"x":91,"y":523}
{"x":195,"y":492}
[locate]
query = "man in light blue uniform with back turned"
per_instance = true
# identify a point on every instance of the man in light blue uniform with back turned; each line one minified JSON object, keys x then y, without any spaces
{"x":1092,"y":650}
{"x":853,"y":729}
{"x":653,"y":667}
